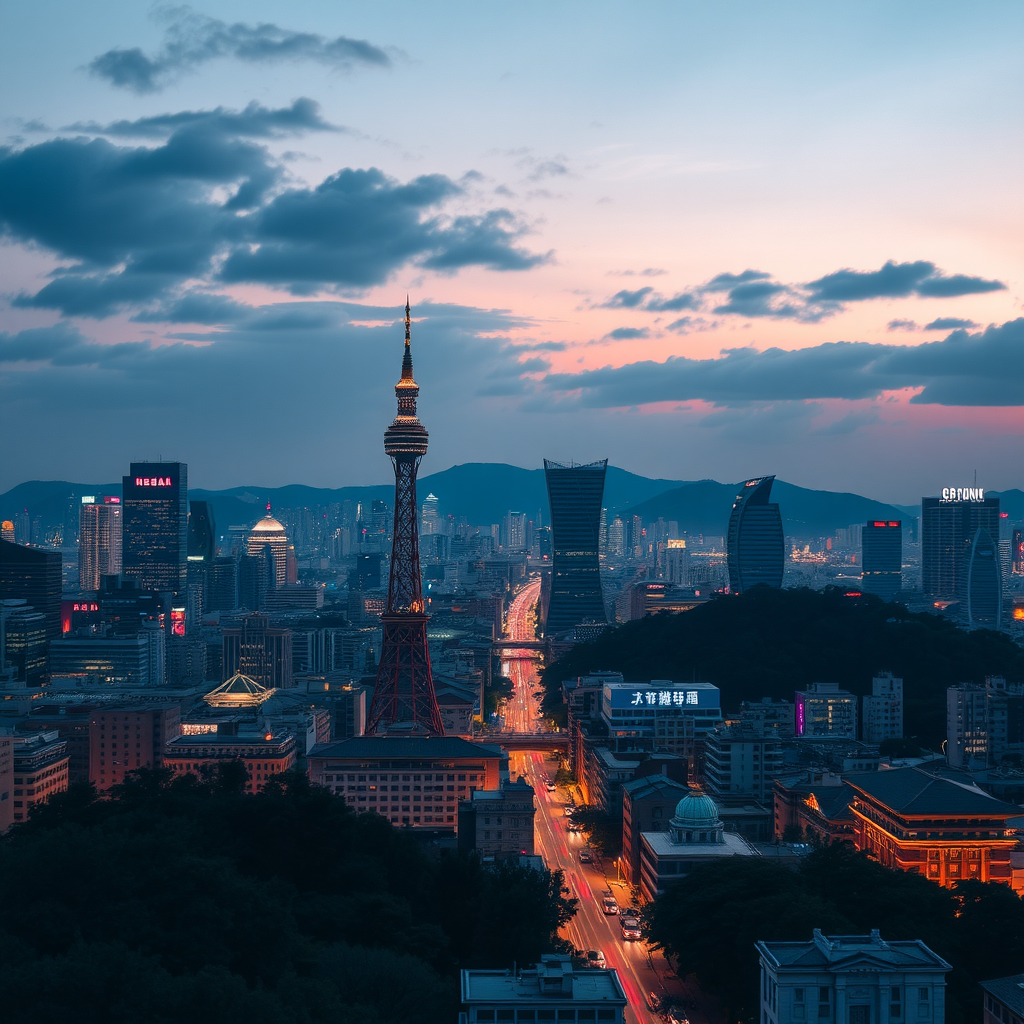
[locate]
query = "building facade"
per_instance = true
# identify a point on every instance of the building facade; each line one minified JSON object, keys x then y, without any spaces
{"x":99,"y":540}
{"x":34,"y":576}
{"x":883,"y":710}
{"x":575,"y":495}
{"x":1004,"y":1000}
{"x":155,"y":525}
{"x":823,"y":710}
{"x":648,"y":804}
{"x":123,"y":740}
{"x":265,"y":755}
{"x":498,"y":824}
{"x":259,"y":651}
{"x":414,"y":781}
{"x":40,"y":770}
{"x":739,"y":763}
{"x":269,"y":539}
{"x":755,"y":545}
{"x":984,"y":582}
{"x":881,"y":557}
{"x":852,"y":979}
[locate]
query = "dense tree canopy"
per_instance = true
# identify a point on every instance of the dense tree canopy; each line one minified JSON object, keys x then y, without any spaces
{"x":769,"y":643}
{"x":711,"y":920}
{"x":188,"y":900}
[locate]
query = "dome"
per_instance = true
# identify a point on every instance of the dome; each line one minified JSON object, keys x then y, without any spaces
{"x":697,"y":811}
{"x":268,"y":524}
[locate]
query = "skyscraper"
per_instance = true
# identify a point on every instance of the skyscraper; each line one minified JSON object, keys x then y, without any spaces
{"x":431,"y":515}
{"x":984,"y":582}
{"x":403,"y":697}
{"x":948,"y":525}
{"x":202,"y":532}
{"x":756,"y":547}
{"x":574,"y":496}
{"x":881,"y":547}
{"x":34,"y":576}
{"x":155,"y":525}
{"x":99,"y":540}
{"x":269,"y":533}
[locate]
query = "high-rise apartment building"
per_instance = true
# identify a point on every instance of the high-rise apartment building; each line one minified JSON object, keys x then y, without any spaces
{"x":984,"y":582}
{"x":984,"y":724}
{"x":155,"y":525}
{"x":430,"y":516}
{"x":1017,"y":552}
{"x":22,"y":642}
{"x":514,"y":531}
{"x":35,"y":577}
{"x":677,"y":563}
{"x":881,"y":547}
{"x":575,"y":494}
{"x":823,"y":710}
{"x":883,"y":710}
{"x":949,"y":523}
{"x":260,"y":651}
{"x":755,"y":545}
{"x":99,"y":540}
{"x":202,"y":532}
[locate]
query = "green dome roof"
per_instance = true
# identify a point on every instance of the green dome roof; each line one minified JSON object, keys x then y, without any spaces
{"x":696,"y":811}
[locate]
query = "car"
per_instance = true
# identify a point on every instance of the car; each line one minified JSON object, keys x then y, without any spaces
{"x":675,"y":1015}
{"x":586,"y":857}
{"x":630,"y":928}
{"x":569,"y":811}
{"x":609,"y":906}
{"x":595,"y":958}
{"x":550,"y":787}
{"x":654,"y":1001}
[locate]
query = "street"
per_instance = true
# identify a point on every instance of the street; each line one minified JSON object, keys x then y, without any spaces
{"x":639,"y":971}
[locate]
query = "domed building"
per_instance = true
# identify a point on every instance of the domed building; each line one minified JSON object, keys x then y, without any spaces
{"x":695,"y":836}
{"x":268,"y":532}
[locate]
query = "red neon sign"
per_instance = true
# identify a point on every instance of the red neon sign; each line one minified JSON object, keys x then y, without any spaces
{"x":178,"y":621}
{"x":153,"y":481}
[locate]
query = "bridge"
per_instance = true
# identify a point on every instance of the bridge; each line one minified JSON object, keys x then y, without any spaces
{"x":526,"y":645}
{"x":531,"y":740}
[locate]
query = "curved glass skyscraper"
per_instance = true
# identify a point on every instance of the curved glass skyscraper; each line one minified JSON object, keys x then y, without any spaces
{"x":984,"y":582}
{"x":756,"y":546}
{"x":574,"y":494}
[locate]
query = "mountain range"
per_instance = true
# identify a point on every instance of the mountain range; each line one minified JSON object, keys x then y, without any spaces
{"x":484,"y":492}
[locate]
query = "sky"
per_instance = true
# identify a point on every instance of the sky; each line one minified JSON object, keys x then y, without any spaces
{"x":699,"y":240}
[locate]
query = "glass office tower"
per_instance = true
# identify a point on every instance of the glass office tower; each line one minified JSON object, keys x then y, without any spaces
{"x":575,"y":496}
{"x":99,"y":540}
{"x":948,"y":527}
{"x":984,"y":582}
{"x":155,"y":525}
{"x":881,"y":557}
{"x":756,"y":547}
{"x":34,"y":576}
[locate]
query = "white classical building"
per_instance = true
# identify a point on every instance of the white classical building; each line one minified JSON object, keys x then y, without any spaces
{"x":851,"y":979}
{"x":695,"y":836}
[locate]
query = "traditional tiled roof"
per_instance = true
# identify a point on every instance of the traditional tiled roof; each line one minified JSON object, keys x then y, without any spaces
{"x":372,"y":747}
{"x":1009,"y":991}
{"x":844,"y":952}
{"x":910,"y":791}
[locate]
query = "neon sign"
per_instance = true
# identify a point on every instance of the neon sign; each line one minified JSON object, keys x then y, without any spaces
{"x":663,"y":698}
{"x":153,"y":481}
{"x":963,"y":494}
{"x":178,"y":621}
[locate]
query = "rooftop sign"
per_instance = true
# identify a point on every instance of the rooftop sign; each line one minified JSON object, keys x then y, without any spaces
{"x":963,"y":494}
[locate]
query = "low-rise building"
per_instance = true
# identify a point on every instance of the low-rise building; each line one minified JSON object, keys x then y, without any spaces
{"x":552,"y":990}
{"x":414,"y":781}
{"x":1004,"y":1000}
{"x":855,"y":979}
{"x":126,"y":739}
{"x":40,"y":770}
{"x":498,"y":824}
{"x":814,"y":808}
{"x":265,"y":755}
{"x":695,"y":836}
{"x":6,"y":780}
{"x":947,"y":831}
{"x":883,"y":709}
{"x":648,"y":804}
{"x":740,"y":763}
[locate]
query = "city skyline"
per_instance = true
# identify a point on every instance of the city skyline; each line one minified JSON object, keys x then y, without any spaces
{"x":742,"y":237}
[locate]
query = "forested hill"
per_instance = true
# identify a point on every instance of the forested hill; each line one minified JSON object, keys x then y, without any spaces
{"x":769,"y":643}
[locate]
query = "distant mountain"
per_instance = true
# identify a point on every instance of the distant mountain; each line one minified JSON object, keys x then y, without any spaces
{"x":704,"y":506}
{"x":484,"y":491}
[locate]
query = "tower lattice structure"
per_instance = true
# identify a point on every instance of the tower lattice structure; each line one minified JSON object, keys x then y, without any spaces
{"x":403,"y":696}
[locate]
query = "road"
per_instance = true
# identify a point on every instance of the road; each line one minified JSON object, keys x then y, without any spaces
{"x":639,"y":971}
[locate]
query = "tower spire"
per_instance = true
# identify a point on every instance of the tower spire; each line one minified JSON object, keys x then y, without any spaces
{"x":403,"y":696}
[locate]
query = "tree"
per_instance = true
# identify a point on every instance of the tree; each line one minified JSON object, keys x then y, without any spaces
{"x":602,"y":829}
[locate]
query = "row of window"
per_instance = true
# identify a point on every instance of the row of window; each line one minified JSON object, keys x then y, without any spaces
{"x":545,"y":1015}
{"x":400,"y":778}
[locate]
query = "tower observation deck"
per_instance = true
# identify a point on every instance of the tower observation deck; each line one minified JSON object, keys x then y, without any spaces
{"x":403,"y":696}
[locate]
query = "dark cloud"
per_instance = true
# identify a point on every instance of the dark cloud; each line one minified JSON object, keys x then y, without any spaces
{"x":947,"y":323}
{"x":754,"y":294}
{"x":984,"y":369}
{"x":901,"y":325}
{"x":139,"y":223}
{"x":192,"y":39}
{"x":255,"y":121}
{"x":896,"y":280}
{"x":627,"y":333}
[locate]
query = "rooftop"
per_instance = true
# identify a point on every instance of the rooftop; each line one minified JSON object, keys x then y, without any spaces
{"x":910,"y":791}
{"x":554,"y":980}
{"x":653,"y":785}
{"x":848,"y":951}
{"x":1009,"y":991}
{"x":661,"y":846}
{"x":405,"y":746}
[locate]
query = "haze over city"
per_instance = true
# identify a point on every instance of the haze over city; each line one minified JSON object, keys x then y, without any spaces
{"x":701,"y":241}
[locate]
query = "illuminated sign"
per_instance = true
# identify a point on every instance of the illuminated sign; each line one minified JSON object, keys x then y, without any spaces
{"x":663,"y":698}
{"x":85,"y":606}
{"x":661,"y":695}
{"x":178,"y":621}
{"x":963,"y":494}
{"x":887,"y":523}
{"x":88,"y":499}
{"x":153,"y":481}
{"x":112,"y":501}
{"x":801,"y":719}
{"x":674,"y":544}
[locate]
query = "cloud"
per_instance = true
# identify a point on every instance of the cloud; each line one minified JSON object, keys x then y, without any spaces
{"x":948,"y":323}
{"x":901,"y":325}
{"x":985,"y":369}
{"x":192,"y":39}
{"x":628,"y":333}
{"x":754,"y":294}
{"x":896,"y":280}
{"x":140,"y":225}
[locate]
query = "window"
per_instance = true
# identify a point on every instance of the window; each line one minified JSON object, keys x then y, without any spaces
{"x":485,"y":1015}
{"x":895,"y":1002}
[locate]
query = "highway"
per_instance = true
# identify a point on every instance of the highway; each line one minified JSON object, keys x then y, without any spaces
{"x":639,"y":972}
